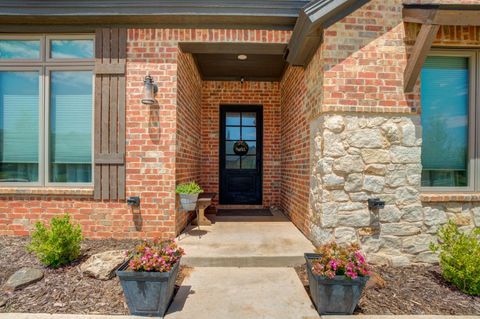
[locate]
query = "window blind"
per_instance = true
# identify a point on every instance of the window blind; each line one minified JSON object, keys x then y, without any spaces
{"x":445,"y":106}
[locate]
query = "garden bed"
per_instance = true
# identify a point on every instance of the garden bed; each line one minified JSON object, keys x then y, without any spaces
{"x":414,"y":290}
{"x":63,"y":290}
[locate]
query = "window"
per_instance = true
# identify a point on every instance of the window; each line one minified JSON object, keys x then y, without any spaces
{"x":46,"y":110}
{"x":448,"y":120}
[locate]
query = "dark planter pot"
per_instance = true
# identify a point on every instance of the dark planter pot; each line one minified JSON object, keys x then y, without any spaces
{"x":338,"y":296}
{"x":148,"y":293}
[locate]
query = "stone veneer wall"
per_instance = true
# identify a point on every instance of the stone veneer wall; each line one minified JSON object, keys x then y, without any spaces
{"x":366,"y":140}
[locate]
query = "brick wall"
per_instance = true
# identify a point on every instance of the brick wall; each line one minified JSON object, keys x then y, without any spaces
{"x":255,"y":93}
{"x":189,"y":99}
{"x":295,"y":177}
{"x":151,"y":138}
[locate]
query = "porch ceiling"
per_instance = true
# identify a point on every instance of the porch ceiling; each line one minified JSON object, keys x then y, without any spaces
{"x":219,"y":61}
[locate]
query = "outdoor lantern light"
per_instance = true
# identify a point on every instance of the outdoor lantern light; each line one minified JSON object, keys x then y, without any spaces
{"x":150,"y":90}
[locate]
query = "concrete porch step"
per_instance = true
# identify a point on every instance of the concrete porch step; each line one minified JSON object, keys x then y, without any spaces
{"x":245,"y":242}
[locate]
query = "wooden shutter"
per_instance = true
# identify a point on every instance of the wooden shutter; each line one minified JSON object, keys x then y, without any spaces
{"x":110,"y":53}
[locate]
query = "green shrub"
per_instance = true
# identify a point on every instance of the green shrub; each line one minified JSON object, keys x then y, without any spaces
{"x":58,"y":244}
{"x":459,"y":257}
{"x":189,"y":188}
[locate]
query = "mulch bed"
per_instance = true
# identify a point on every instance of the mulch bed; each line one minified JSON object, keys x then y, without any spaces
{"x":414,"y":290}
{"x":63,"y":290}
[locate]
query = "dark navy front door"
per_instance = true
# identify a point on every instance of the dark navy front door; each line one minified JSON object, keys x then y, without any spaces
{"x":241,"y":155}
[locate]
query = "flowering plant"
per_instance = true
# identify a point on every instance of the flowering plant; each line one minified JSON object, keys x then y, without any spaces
{"x":155,"y":256}
{"x":340,"y":260}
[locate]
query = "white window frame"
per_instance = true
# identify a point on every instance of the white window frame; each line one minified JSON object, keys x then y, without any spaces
{"x":44,"y":67}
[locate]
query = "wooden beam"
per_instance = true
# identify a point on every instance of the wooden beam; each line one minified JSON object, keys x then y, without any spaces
{"x":460,"y":17}
{"x":424,"y":41}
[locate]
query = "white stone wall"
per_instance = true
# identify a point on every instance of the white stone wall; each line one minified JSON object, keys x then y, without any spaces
{"x":355,"y":157}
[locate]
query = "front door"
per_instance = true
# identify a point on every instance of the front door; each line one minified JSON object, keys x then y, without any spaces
{"x":241,"y":155}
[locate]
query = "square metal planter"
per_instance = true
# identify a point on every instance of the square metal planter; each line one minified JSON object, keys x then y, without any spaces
{"x":336,"y":296}
{"x":148,"y":293}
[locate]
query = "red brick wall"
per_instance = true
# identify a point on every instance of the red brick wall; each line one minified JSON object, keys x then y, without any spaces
{"x":189,"y":99}
{"x":151,"y":147}
{"x":295,"y":155}
{"x":256,"y":93}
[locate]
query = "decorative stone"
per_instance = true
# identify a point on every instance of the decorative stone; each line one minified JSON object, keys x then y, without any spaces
{"x":351,"y":206}
{"x":413,"y":213}
{"x":333,"y":181}
{"x":339,"y":195}
{"x":396,"y":177}
{"x":358,"y":197}
{"x":392,"y":243}
{"x":333,"y":145}
{"x":427,"y":257}
{"x":345,"y":235}
{"x":476,"y":216}
{"x":405,"y":155}
{"x":371,"y":156}
{"x":366,"y":138}
{"x":408,"y":134}
{"x":325,"y":165}
{"x":22,"y":278}
{"x":417,"y":244}
{"x":391,"y":132}
{"x":335,"y":123}
{"x":354,"y":182}
{"x":321,"y":236}
{"x":329,"y":214}
{"x":462,"y":219}
{"x":390,"y":214}
{"x":348,"y":164}
{"x":400,"y":229}
{"x":358,"y":218}
{"x":398,"y":261}
{"x":103,"y":265}
{"x":406,"y":196}
{"x":375,"y":169}
{"x":373,"y":184}
{"x":433,"y":216}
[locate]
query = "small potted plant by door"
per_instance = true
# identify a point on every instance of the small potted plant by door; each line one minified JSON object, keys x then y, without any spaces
{"x":337,"y":275}
{"x":148,"y":277}
{"x":188,"y":193}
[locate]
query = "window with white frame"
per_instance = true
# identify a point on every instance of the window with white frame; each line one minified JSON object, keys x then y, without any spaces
{"x":46,"y":110}
{"x":448,"y":90}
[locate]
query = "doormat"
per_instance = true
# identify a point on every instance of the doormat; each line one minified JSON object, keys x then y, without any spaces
{"x":244,"y":212}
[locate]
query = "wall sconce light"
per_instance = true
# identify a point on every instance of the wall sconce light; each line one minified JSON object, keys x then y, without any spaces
{"x":150,"y":89}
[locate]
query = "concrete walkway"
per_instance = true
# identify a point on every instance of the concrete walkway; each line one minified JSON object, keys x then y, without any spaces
{"x":65,"y":316}
{"x":245,"y":242}
{"x":243,"y":293}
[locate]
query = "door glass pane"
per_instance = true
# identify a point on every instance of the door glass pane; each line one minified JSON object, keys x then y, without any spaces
{"x":232,"y":133}
{"x":249,"y":133}
{"x":71,"y":49}
{"x":249,"y":162}
{"x":249,"y":118}
{"x":19,"y":128}
{"x":232,"y":162}
{"x":445,"y":104}
{"x":232,"y":118}
{"x":252,"y":147}
{"x":229,"y":147}
{"x":70,"y":127}
{"x":20,"y":49}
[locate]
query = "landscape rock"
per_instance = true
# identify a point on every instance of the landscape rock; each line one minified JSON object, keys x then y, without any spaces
{"x":103,"y":265}
{"x":22,"y":278}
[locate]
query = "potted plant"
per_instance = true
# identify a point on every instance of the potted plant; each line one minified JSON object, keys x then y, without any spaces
{"x":188,"y":193}
{"x":337,"y":275}
{"x":148,"y":277}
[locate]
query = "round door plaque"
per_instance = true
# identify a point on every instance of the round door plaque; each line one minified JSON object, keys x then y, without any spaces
{"x":240,"y":148}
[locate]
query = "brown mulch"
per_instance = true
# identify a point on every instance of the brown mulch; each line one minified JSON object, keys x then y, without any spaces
{"x":413,"y":290}
{"x":63,"y":290}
